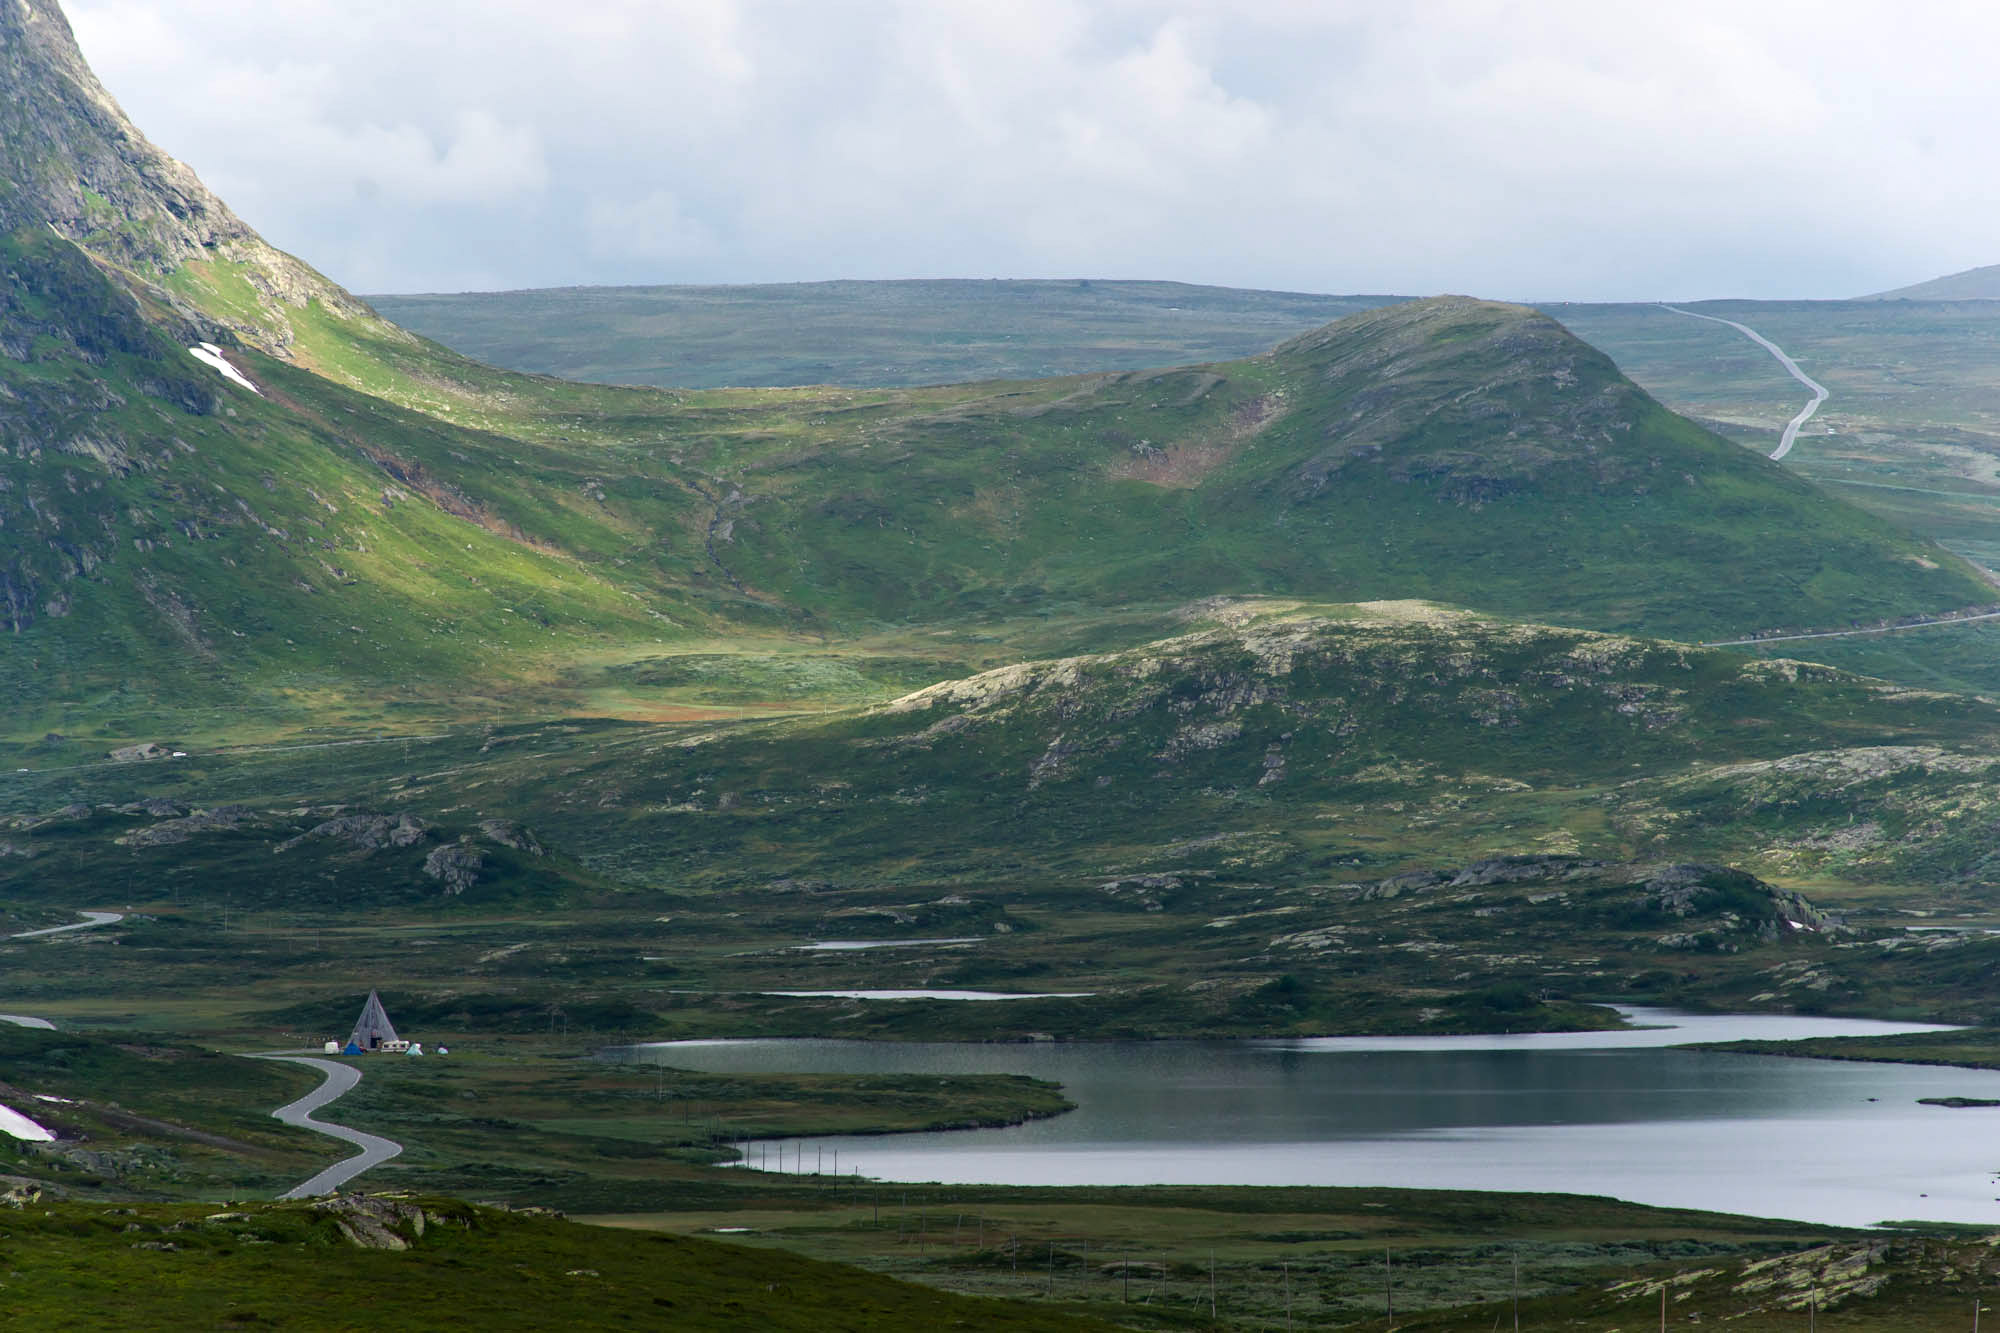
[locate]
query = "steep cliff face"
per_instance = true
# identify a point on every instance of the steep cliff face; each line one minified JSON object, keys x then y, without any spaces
{"x":72,"y":163}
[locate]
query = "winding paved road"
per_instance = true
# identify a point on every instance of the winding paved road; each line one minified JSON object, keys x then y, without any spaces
{"x":340,"y":1079}
{"x":90,"y":919}
{"x":1791,"y":366}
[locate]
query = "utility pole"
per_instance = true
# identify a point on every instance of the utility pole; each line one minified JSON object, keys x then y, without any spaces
{"x":1288,"y":1298}
{"x":1389,"y":1285}
{"x":1211,"y":1286}
{"x":1517,"y":1291}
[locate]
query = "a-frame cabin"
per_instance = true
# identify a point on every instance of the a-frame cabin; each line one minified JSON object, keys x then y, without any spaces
{"x":373,"y":1031}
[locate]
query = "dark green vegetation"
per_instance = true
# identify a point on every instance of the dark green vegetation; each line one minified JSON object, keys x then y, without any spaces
{"x":1143,"y":1256}
{"x":864,"y":334}
{"x":419,"y":1263}
{"x":1338,"y":1258}
{"x":1972,"y":1048}
{"x":1134,"y":1259}
{"x":1286,"y":819}
{"x":1890,"y":1285}
{"x":146,"y":1116}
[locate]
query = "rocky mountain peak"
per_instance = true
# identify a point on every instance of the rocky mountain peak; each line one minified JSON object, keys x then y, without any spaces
{"x":72,"y":162}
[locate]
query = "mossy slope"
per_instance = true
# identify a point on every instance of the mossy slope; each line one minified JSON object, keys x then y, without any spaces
{"x":384,"y":515}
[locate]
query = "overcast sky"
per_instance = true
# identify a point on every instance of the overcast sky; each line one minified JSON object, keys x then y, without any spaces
{"x":1538,"y":150}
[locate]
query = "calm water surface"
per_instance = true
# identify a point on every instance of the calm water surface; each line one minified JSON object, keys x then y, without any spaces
{"x":1619,"y":1113}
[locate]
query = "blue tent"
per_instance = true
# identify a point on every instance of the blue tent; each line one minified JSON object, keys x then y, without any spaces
{"x":351,"y":1049}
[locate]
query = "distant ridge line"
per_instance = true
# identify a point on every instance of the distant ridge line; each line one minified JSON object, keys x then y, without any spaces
{"x":1972,"y":284}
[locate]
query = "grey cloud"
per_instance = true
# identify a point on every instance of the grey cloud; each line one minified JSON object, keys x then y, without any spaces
{"x":1546,"y":150}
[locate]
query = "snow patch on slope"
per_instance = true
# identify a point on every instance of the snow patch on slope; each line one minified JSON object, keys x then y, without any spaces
{"x":16,"y":1125}
{"x":211,"y":355}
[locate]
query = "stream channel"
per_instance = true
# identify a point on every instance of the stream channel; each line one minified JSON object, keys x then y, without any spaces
{"x":1625,"y":1114}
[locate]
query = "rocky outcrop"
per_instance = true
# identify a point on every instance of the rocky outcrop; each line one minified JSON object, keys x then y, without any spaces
{"x":509,"y":834}
{"x":222,"y":819}
{"x":368,"y":833}
{"x":375,"y":1221}
{"x":73,"y":163}
{"x":1710,"y":898}
{"x":454,"y":865}
{"x":155,"y":806}
{"x":67,"y":814}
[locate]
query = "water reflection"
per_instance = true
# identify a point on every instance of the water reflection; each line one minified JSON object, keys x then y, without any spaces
{"x":1619,"y":1113}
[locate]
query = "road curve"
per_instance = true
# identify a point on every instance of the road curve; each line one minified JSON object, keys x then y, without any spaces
{"x":90,"y":919}
{"x":1791,"y":366}
{"x":340,"y":1079}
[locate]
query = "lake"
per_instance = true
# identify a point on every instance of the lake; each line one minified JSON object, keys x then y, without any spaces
{"x":1616,"y":1113}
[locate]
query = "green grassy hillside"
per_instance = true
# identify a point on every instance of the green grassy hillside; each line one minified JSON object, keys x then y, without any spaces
{"x":1452,"y":449}
{"x":383,"y":531}
{"x":1297,"y":737}
{"x":1293,"y":818}
{"x":419,"y":1263}
{"x":347,"y":541}
{"x":167,"y":536}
